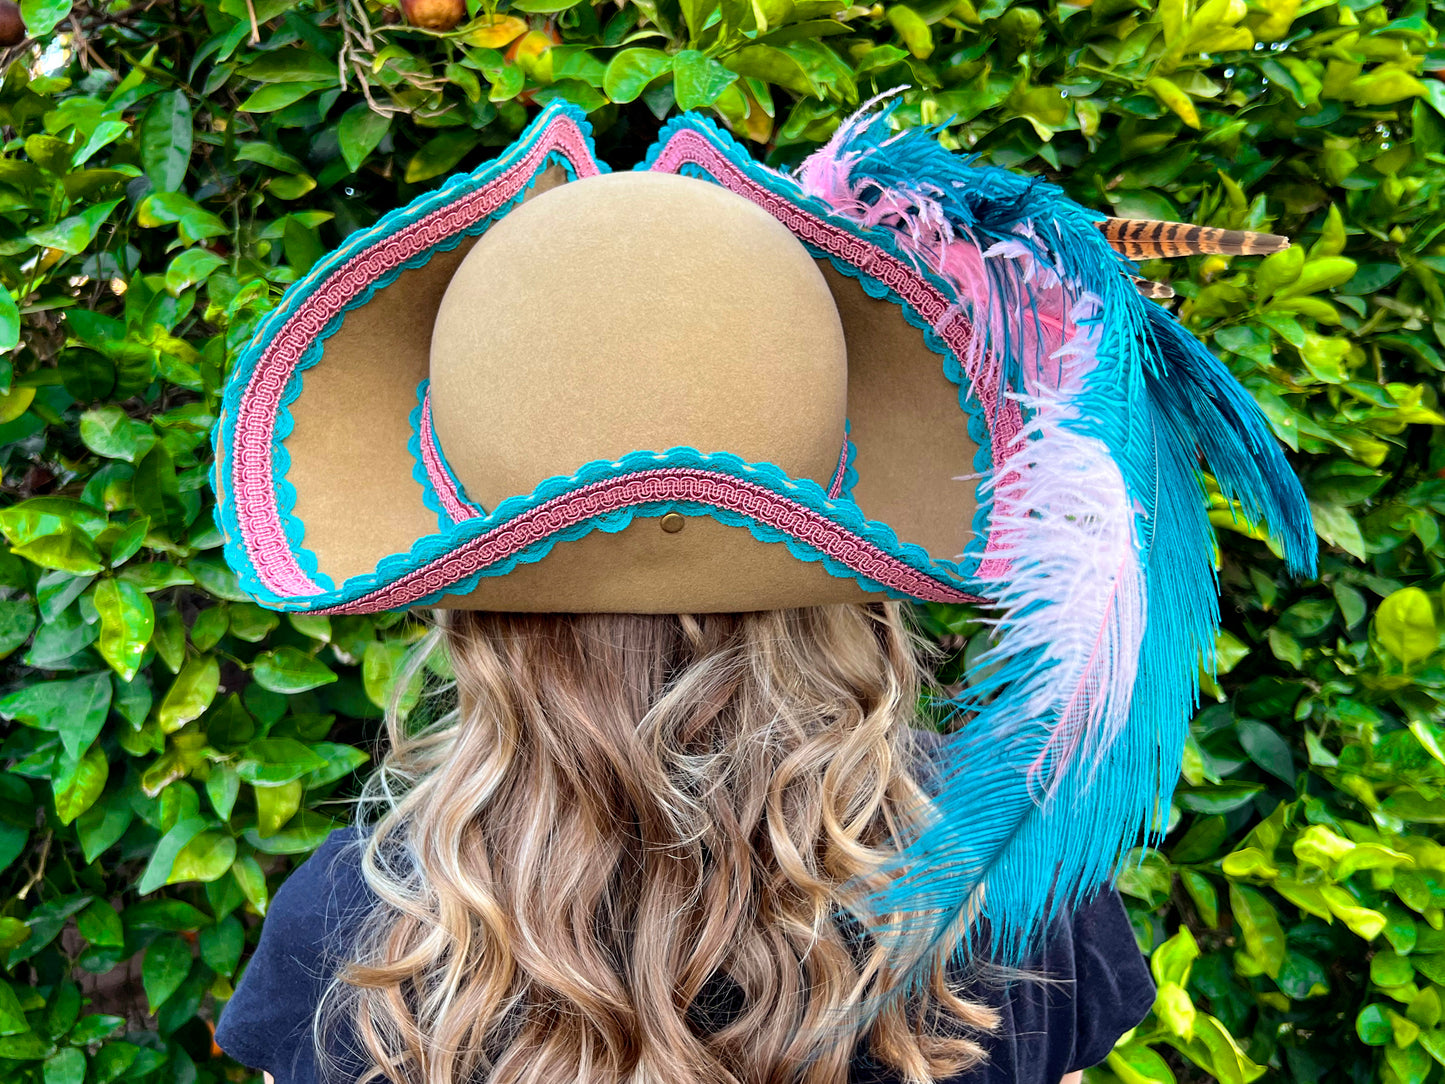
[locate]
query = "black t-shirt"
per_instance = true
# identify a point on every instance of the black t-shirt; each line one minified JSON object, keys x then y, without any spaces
{"x":1048,"y":1028}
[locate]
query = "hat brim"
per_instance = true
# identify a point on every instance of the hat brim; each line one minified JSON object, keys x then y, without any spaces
{"x":326,"y":508}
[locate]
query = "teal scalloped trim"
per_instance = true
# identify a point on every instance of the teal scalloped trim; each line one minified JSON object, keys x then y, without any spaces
{"x":623,"y":517}
{"x":783,"y":185}
{"x":418,"y":467}
{"x":804,"y":491}
{"x":850,"y":473}
{"x":224,"y":433}
{"x":429,"y":495}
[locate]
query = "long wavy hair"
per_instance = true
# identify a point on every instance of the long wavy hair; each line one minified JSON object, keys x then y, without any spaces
{"x":619,"y":807}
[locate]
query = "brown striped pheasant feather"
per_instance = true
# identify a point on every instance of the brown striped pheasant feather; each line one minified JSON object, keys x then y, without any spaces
{"x":1146,"y":239}
{"x":1155,"y":291}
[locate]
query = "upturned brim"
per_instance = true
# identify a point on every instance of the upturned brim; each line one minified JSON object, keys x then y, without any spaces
{"x":326,"y":507}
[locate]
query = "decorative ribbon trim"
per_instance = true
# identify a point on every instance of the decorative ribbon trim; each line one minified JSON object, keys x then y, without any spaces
{"x":441,"y":490}
{"x":694,"y":491}
{"x":317,"y":304}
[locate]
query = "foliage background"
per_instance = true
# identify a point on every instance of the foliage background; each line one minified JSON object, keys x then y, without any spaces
{"x":172,"y":750}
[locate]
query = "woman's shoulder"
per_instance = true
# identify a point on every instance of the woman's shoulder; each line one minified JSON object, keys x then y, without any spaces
{"x":324,"y":892}
{"x":1088,"y":984}
{"x":267,"y":1022}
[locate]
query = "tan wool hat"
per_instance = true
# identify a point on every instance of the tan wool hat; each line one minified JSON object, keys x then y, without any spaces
{"x":708,"y":385}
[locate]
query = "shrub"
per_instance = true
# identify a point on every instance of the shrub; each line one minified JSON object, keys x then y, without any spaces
{"x":172,"y":749}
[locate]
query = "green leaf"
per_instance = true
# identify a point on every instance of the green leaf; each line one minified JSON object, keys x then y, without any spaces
{"x":78,"y":786}
{"x":9,"y":327}
{"x":208,"y":628}
{"x":170,"y":640}
{"x":173,"y":915}
{"x":1337,"y":526}
{"x":100,"y":925}
{"x":1390,"y":969}
{"x":252,"y":882}
{"x":207,"y":857}
{"x":341,"y":760}
{"x":275,"y":805}
{"x":439,"y":155}
{"x":190,"y":694}
{"x":14,"y":403}
{"x":1404,"y":624}
{"x":43,"y":16}
{"x":101,"y":826}
{"x":1373,"y":1026}
{"x":298,"y":65}
{"x":127,"y":620}
{"x":772,"y":65}
{"x":1171,"y":961}
{"x":222,"y":787}
{"x":73,"y":235}
{"x":276,"y":96}
{"x":67,"y":550}
{"x":165,"y":140}
{"x":274,"y":762}
{"x":75,"y":709}
{"x":191,"y":268}
{"x":360,"y":131}
{"x":913,"y":29}
{"x":65,"y":1066}
{"x":1320,"y":273}
{"x":1361,"y":920}
{"x":303,"y":834}
{"x":696,"y":14}
{"x":1174,"y":99}
{"x":1279,"y":270}
{"x":17,"y":621}
{"x":108,"y":431}
{"x":1134,"y":1063}
{"x":12,"y":1016}
{"x":1263,"y":935}
{"x":165,"y":966}
{"x":221,"y":945}
{"x":312,"y":626}
{"x":13,"y":841}
{"x":630,"y":70}
{"x":289,"y":670}
{"x":698,"y":80}
{"x":380,"y":667}
{"x":85,"y":373}
{"x":291,"y":187}
{"x":1267,"y":748}
{"x":167,"y":850}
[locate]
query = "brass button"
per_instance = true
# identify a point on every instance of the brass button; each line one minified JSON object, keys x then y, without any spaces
{"x":672,"y":523}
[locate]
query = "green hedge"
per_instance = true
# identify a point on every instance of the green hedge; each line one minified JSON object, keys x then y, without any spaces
{"x":173,"y":750}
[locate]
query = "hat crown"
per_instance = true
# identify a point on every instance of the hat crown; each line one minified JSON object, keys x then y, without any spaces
{"x":635,"y":311}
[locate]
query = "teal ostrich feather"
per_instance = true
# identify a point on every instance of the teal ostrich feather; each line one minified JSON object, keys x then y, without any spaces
{"x":1071,"y":733}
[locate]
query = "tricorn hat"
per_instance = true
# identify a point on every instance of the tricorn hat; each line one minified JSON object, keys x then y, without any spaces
{"x":707,"y":385}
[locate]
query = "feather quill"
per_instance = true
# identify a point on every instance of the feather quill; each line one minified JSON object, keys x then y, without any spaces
{"x":1147,"y":239}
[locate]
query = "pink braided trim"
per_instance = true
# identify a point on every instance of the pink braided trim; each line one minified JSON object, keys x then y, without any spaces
{"x":253,"y":484}
{"x":441,"y":478}
{"x":459,"y":508}
{"x":838,"y":475}
{"x":641,"y":487}
{"x":690,"y":147}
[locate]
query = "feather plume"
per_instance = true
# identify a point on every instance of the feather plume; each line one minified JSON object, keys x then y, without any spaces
{"x":1155,"y":291}
{"x":1106,"y":602}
